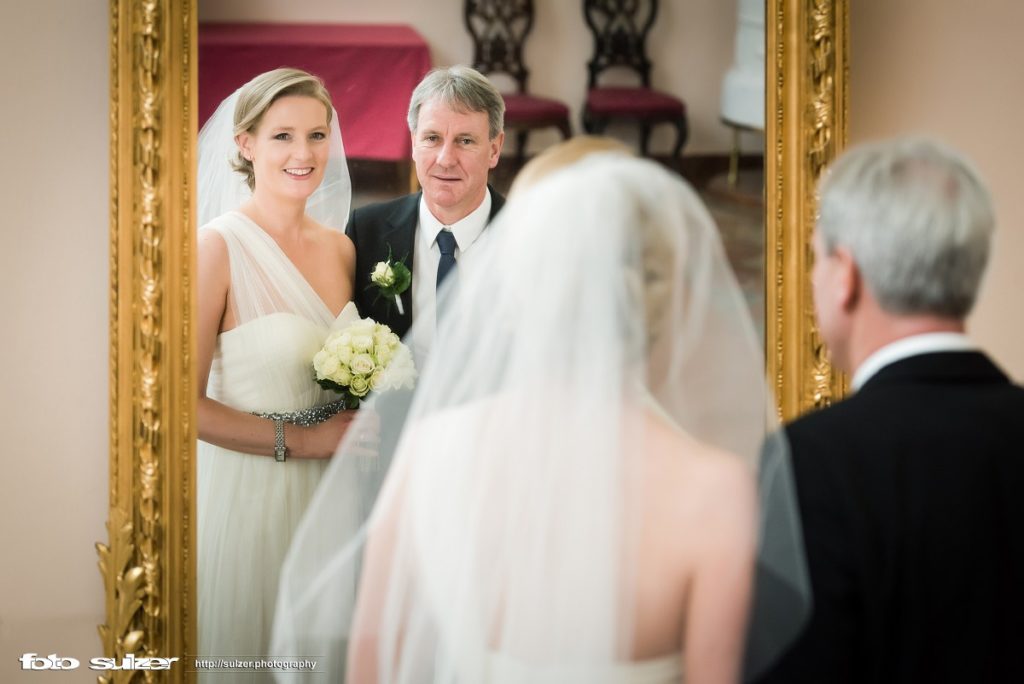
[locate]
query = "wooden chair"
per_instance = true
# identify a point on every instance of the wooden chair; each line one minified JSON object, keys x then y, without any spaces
{"x":499,"y":29}
{"x":620,"y":29}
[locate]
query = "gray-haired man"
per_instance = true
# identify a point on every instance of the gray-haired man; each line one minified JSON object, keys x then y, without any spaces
{"x":909,"y":490}
{"x":456,"y":118}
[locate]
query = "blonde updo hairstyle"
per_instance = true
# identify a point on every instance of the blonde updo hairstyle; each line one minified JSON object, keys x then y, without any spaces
{"x":561,"y":155}
{"x":256,"y":97}
{"x":653,"y":286}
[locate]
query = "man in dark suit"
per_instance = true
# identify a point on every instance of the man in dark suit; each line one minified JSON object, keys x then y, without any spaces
{"x":911,"y":491}
{"x":456,"y":118}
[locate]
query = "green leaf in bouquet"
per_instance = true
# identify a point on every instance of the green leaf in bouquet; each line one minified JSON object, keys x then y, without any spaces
{"x":331,"y":385}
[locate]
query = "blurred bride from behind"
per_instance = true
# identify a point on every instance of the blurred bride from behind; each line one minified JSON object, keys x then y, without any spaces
{"x":572,"y":495}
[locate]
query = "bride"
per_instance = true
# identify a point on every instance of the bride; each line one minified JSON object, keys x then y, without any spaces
{"x":572,"y":494}
{"x":273,"y":280}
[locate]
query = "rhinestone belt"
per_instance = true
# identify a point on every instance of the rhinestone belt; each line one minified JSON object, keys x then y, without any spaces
{"x":307,"y":417}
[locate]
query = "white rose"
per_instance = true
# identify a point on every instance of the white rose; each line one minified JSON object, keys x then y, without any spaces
{"x":344,"y":354}
{"x":362,"y":342}
{"x":328,"y":366}
{"x":383,"y":275}
{"x":359,"y":386}
{"x":318,"y":360}
{"x":364,"y":326}
{"x":362,"y":364}
{"x":383,"y":354}
{"x":377,"y":379}
{"x":338,"y":341}
{"x":381,"y":337}
{"x":393,"y":340}
{"x":342,"y":376}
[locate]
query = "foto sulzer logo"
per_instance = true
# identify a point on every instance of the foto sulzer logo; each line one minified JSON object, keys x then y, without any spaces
{"x":34,"y":661}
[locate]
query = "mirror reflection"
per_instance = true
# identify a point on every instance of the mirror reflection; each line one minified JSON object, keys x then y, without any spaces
{"x":277,"y":275}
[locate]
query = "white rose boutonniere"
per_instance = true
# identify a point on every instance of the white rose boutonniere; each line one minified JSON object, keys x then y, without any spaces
{"x":391,"y":278}
{"x":364,"y":357}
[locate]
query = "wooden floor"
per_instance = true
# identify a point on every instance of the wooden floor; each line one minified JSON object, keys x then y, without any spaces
{"x":738,"y":211}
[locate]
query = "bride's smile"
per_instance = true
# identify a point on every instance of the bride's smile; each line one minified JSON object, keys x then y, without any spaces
{"x":290,"y":148}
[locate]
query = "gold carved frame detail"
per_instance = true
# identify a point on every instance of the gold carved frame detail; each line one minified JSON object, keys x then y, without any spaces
{"x":807,"y":102}
{"x":148,"y":563}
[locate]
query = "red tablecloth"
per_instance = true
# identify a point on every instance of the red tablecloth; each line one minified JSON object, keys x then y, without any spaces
{"x":370,"y":71}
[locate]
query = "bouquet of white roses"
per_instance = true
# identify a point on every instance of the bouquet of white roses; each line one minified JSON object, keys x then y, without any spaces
{"x":364,"y":357}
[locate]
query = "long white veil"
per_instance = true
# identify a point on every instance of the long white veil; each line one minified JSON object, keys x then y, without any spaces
{"x":599,"y":323}
{"x":222,"y":189}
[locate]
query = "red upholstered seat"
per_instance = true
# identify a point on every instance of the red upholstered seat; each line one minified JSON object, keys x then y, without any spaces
{"x":499,"y":29}
{"x":521,"y":108}
{"x":634,"y":103}
{"x":620,"y":31}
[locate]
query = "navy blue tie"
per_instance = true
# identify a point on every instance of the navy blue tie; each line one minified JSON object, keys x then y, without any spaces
{"x":447,"y":244}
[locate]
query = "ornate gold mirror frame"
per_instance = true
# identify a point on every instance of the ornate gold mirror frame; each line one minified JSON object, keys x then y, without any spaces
{"x":148,"y":564}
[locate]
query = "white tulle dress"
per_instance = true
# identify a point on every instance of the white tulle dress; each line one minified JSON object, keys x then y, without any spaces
{"x":249,"y":506}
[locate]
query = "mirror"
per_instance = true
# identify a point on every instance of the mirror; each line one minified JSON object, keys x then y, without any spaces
{"x":149,"y":562}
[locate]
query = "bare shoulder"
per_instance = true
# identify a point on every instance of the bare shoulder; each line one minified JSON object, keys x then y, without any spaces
{"x":340,"y":244}
{"x":723,"y":473}
{"x":213,"y":278}
{"x":700,"y":480}
{"x":212,"y":253}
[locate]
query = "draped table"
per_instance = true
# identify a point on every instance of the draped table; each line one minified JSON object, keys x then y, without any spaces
{"x":369,"y":69}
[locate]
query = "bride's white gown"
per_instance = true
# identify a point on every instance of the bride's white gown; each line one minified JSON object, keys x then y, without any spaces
{"x":249,"y":506}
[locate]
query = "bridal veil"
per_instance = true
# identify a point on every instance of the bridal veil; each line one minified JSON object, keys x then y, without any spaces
{"x":221,"y":189}
{"x":501,"y":516}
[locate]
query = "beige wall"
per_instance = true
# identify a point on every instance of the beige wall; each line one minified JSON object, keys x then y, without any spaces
{"x":691,"y":46}
{"x":53,"y":365}
{"x":953,"y":70}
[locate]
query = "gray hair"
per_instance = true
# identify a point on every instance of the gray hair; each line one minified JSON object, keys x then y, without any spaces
{"x":463,"y":89}
{"x":917,"y":220}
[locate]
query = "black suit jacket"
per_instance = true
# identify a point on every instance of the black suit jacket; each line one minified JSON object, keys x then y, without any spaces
{"x":376,"y":228}
{"x":911,"y":494}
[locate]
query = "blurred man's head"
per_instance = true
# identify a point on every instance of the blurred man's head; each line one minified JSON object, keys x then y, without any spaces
{"x":904,"y":232}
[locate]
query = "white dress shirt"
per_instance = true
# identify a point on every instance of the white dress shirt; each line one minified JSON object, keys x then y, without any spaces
{"x":426,"y":257}
{"x":927,"y":343}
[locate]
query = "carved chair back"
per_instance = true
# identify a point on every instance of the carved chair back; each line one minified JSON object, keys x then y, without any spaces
{"x":499,"y":29}
{"x":620,"y":29}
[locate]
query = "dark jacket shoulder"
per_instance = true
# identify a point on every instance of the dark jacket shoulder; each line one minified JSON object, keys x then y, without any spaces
{"x":379,"y":210}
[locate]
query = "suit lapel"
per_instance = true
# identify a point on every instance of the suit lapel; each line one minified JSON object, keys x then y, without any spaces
{"x":401,"y":238}
{"x":497,"y":202}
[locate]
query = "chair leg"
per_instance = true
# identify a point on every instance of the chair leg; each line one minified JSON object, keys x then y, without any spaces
{"x":593,"y":125}
{"x":682,"y":133}
{"x":566,"y":130}
{"x":521,"y":137}
{"x":734,"y":159}
{"x":645,"y":138}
